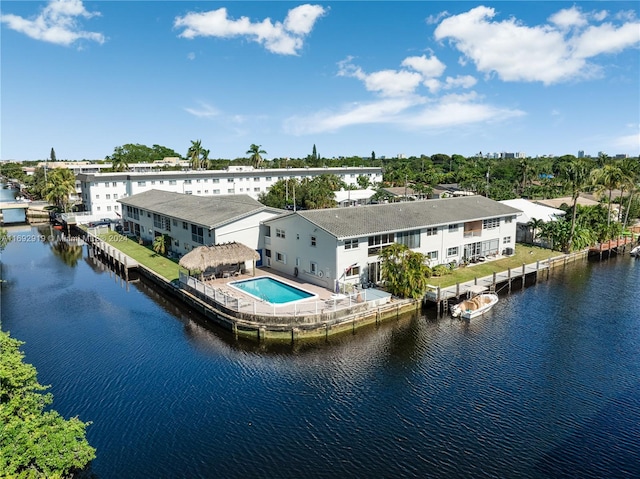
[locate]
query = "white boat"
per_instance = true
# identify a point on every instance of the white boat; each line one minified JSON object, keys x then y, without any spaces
{"x":635,"y":251}
{"x":475,"y":306}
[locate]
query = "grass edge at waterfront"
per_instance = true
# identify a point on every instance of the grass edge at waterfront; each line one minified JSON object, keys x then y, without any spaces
{"x":523,"y":254}
{"x":161,"y":265}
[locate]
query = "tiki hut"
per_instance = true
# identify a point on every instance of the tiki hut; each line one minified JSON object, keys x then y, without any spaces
{"x":218,"y":259}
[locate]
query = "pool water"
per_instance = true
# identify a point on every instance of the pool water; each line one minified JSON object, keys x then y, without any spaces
{"x":271,"y":290}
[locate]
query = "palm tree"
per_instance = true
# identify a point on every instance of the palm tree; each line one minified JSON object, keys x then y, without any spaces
{"x":204,"y":161}
{"x":632,"y":168}
{"x":609,"y":177}
{"x":575,"y":172}
{"x":119,"y":160}
{"x":404,"y":271}
{"x":194,"y":153}
{"x":534,"y":226}
{"x":160,"y":244}
{"x":255,"y":152}
{"x":60,"y":185}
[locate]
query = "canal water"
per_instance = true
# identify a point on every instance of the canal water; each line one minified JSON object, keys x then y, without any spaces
{"x":547,"y":385}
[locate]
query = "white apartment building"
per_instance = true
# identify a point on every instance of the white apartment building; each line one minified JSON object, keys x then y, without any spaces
{"x":191,"y":221}
{"x":343,"y":244}
{"x":100,"y":192}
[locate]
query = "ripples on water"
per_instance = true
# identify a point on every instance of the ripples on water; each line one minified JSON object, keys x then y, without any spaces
{"x":546,"y":385}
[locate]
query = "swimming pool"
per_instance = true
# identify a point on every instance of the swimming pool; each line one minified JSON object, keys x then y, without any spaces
{"x":271,"y":290}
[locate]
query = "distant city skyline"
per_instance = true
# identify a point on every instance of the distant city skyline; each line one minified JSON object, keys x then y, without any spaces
{"x":394,"y":78}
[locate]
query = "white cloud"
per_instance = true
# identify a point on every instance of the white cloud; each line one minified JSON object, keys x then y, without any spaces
{"x":548,"y":53}
{"x":204,"y":111}
{"x":355,"y":114}
{"x":428,"y":67}
{"x":460,"y":81}
{"x":281,"y":38}
{"x":569,"y":17}
{"x":57,"y":23}
{"x":628,"y":143}
{"x":458,"y":110}
{"x":606,"y":38}
{"x":191,"y":56}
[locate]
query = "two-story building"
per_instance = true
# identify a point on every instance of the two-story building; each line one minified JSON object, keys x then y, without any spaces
{"x":343,"y":244}
{"x":100,"y":192}
{"x":190,"y":221}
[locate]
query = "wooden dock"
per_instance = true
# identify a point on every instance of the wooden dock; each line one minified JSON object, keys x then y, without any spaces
{"x":499,"y":281}
{"x":116,"y":259}
{"x":615,"y":246}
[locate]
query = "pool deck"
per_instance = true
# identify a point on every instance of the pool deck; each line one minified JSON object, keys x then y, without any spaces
{"x":324,"y":299}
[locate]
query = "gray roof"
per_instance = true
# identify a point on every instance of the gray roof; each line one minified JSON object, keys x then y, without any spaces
{"x":378,"y":219}
{"x":210,"y":211}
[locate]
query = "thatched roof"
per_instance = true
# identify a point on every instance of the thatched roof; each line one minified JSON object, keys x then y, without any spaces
{"x":204,"y":257}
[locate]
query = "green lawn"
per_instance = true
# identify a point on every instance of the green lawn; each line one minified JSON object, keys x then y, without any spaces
{"x":524,"y":254}
{"x":165,"y":267}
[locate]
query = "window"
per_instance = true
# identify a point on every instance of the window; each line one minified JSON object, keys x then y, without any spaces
{"x":175,"y":222}
{"x":185,"y":226}
{"x":97,"y":208}
{"x":378,"y":242}
{"x":162,"y":183}
{"x":411,"y":239}
{"x":197,"y":234}
{"x":116,"y":207}
{"x":491,"y":223}
{"x":108,"y":208}
{"x":509,"y":219}
{"x":506,"y":239}
{"x":198,"y":180}
{"x":452,"y":251}
{"x":257,"y":190}
{"x":267,"y":253}
{"x":216,"y":180}
{"x":106,"y":184}
{"x":216,"y":192}
{"x":281,"y":257}
{"x":431,"y":231}
{"x":187,"y":182}
{"x":229,"y":180}
{"x":172,"y":182}
{"x":352,"y":271}
{"x":432,"y":255}
{"x":153,"y":182}
{"x":188,"y":192}
{"x":142,"y":183}
{"x":108,"y":196}
{"x":230,"y":191}
{"x":268,"y":178}
{"x":280,"y":233}
{"x":97,"y":197}
{"x":313,"y":267}
{"x":133,"y":212}
{"x":351,"y":244}
{"x":453,"y":228}
{"x":313,"y":241}
{"x":256,"y":179}
{"x":115,"y":183}
{"x":115,"y":196}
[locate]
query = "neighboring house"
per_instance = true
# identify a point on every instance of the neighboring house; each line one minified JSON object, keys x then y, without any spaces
{"x":100,"y":192}
{"x":354,"y":197}
{"x":531,"y":210}
{"x":403,"y":193}
{"x":342,"y":244}
{"x":583,"y":200}
{"x":192,"y":221}
{"x":448,"y":190}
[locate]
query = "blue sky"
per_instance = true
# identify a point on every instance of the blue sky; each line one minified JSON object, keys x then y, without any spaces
{"x":543,"y":78}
